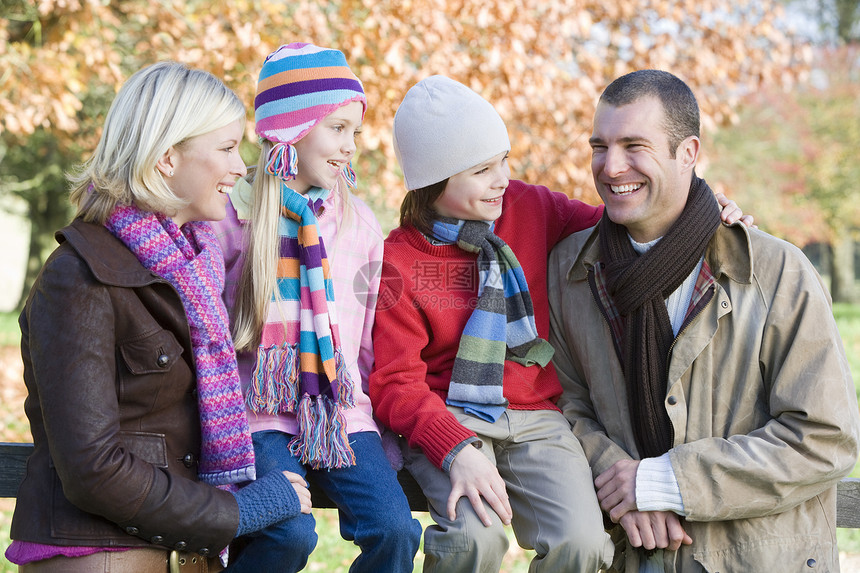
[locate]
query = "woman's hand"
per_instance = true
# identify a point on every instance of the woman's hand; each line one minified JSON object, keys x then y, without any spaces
{"x":301,"y":487}
{"x":474,"y":476}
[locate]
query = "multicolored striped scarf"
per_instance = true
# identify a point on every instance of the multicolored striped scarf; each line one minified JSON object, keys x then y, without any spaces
{"x":190,"y":259}
{"x":502,"y":326}
{"x":300,"y":368}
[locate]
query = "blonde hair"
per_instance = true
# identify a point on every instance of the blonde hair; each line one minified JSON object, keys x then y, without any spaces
{"x":159,"y":107}
{"x":259,"y":272}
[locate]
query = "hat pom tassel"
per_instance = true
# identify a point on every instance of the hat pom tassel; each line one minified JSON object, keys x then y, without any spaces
{"x":349,"y":176}
{"x":283,"y":161}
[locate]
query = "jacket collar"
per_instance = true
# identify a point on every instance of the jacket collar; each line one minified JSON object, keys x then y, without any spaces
{"x":240,"y":197}
{"x":110,"y":261}
{"x":729,"y":253}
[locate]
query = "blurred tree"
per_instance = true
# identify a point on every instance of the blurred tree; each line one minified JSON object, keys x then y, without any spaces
{"x":541,"y":62}
{"x":847,"y":17}
{"x":34,"y":171}
{"x":793,"y":154}
{"x":830,"y":20}
{"x":829,"y":164}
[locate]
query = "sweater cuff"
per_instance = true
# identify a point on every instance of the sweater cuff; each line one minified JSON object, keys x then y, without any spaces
{"x":441,"y":437}
{"x":266,"y":501}
{"x":657,"y":487}
{"x":449,"y":459}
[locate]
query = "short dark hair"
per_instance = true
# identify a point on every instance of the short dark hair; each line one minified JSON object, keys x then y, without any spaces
{"x":417,"y":207}
{"x":680,"y":108}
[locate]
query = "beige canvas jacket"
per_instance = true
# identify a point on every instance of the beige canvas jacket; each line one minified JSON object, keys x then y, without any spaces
{"x":759,"y":393}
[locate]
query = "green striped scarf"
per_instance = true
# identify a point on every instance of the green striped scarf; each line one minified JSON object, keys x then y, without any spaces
{"x":502,"y":326}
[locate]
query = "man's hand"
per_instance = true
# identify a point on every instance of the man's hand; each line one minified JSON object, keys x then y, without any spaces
{"x":655,"y":530}
{"x":616,"y":489}
{"x":474,"y":476}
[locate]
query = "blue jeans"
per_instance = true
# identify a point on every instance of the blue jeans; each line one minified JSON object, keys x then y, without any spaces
{"x":372,"y":508}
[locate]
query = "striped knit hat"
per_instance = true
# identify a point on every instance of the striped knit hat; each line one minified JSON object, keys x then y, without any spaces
{"x":299,"y":85}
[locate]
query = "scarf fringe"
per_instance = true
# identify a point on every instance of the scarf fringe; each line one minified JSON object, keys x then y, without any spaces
{"x":274,"y":382}
{"x":345,"y":389}
{"x":322,"y":441}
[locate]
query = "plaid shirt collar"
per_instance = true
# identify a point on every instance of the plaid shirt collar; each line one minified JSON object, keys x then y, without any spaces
{"x":597,"y":279}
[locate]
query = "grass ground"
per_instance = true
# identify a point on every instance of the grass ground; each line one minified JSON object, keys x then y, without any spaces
{"x":848,"y":319}
{"x":333,"y":554}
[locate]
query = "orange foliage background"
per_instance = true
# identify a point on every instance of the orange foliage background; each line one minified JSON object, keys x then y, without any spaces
{"x":541,"y":62}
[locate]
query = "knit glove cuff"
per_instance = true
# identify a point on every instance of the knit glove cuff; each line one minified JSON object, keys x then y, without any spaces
{"x":266,"y":501}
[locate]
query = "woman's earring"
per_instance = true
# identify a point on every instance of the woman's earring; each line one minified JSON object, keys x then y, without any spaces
{"x":170,"y":174}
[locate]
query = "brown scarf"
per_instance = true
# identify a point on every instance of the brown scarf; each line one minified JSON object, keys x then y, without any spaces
{"x":639,"y":286}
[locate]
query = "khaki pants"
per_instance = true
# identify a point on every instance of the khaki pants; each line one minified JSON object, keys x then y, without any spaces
{"x":549,"y":484}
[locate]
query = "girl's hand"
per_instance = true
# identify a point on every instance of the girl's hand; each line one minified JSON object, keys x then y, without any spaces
{"x":474,"y":476}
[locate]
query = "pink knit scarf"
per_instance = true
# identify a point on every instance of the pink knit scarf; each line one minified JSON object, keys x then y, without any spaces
{"x":191,"y":260}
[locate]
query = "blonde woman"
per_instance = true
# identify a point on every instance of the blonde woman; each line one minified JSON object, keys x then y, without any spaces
{"x":141,"y":438}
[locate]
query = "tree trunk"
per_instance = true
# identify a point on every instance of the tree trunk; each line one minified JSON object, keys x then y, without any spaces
{"x":33,"y":265}
{"x":36,"y":174}
{"x":48,"y":209}
{"x":847,"y":13}
{"x":842,"y":284}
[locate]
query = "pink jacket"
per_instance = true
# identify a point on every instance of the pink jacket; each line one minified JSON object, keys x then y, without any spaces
{"x":355,"y":261}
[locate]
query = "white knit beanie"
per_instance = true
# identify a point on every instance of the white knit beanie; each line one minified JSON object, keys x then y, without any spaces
{"x":442,"y":128}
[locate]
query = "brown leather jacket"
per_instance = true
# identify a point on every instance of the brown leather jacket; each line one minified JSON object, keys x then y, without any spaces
{"x":112,"y":407}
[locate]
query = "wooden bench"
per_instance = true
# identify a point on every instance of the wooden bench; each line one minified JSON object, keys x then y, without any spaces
{"x":13,"y":460}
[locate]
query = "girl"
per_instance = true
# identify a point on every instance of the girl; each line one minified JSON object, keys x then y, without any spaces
{"x":465,"y":373}
{"x":133,"y":393}
{"x":302,"y":250}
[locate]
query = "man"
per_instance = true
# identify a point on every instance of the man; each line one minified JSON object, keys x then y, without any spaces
{"x":701,"y":365}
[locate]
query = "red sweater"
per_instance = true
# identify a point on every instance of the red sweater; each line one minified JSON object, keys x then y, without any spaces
{"x":426,"y":296}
